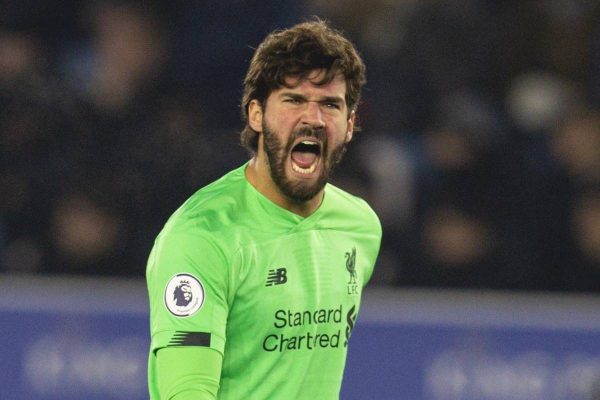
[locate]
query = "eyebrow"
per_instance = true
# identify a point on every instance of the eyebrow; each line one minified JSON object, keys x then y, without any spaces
{"x":326,"y":99}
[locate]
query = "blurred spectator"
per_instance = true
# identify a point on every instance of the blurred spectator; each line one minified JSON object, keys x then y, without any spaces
{"x":582,"y":270}
{"x":455,"y":234}
{"x":575,"y":146}
{"x":480,"y":150}
{"x":97,"y":223}
{"x":213,"y":44}
{"x":17,"y":56}
{"x":125,"y":55}
{"x":34,"y":117}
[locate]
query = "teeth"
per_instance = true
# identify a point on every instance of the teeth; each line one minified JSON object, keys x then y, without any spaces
{"x":308,"y":142}
{"x":301,"y":170}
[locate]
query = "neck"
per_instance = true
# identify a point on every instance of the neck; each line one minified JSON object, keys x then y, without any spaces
{"x":259,"y":176}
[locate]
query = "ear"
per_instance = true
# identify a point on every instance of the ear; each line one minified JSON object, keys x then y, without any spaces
{"x":255,"y":115}
{"x":350,"y":128}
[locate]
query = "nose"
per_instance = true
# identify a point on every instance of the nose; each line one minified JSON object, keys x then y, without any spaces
{"x":313,"y":115}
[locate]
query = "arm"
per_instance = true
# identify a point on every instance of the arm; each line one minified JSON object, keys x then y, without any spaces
{"x":188,"y":373}
{"x":187,"y":331}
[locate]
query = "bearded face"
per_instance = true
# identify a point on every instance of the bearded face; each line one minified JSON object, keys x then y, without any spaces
{"x":304,"y":127}
{"x":279,"y":153}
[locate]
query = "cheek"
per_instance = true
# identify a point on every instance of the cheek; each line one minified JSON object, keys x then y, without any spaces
{"x":279,"y":120}
{"x":339,"y":133}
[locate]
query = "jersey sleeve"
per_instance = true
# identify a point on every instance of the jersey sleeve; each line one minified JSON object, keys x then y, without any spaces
{"x":188,"y":373}
{"x":187,"y":278}
{"x":373,"y":240}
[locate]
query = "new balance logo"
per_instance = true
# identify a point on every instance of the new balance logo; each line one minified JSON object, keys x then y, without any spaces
{"x":276,"y":277}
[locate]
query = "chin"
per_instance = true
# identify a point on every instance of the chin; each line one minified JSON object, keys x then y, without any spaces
{"x":301,"y":188}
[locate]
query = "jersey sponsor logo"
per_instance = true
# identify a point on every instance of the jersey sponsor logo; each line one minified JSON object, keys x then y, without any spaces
{"x":306,"y":341}
{"x":276,"y":277}
{"x":352,"y":286}
{"x":302,"y":335}
{"x":184,"y":295}
{"x":321,"y":328}
{"x":350,"y":320}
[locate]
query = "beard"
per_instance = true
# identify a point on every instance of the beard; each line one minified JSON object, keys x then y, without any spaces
{"x":277,"y":154}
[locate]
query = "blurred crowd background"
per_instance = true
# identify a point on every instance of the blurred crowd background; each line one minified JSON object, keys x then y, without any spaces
{"x":480,"y":142}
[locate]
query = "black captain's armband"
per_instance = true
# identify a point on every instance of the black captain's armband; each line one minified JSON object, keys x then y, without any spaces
{"x":190,"y":339}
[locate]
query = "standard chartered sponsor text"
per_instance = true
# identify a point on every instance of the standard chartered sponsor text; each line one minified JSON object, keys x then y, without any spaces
{"x":285,"y":318}
{"x":301,"y":339}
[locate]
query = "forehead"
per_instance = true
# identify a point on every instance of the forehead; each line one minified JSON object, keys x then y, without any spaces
{"x":311,"y":84}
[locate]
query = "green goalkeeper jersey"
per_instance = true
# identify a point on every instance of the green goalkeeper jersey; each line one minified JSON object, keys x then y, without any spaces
{"x":275,"y":293}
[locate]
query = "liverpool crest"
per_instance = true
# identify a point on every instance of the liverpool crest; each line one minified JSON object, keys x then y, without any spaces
{"x":351,"y":267}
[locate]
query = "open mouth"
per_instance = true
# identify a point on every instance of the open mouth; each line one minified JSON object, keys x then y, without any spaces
{"x":305,"y":156}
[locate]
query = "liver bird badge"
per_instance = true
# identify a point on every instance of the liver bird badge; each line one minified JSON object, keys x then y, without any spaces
{"x":351,"y":265}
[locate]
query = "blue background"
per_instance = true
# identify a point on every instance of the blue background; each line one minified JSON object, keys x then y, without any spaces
{"x":88,"y":338}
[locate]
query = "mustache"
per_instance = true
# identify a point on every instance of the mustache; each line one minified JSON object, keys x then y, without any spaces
{"x":307,"y":131}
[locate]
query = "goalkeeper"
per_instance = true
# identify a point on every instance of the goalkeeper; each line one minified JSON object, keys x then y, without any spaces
{"x":255,"y":281}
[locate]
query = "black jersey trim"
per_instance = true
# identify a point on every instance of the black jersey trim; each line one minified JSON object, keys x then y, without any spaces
{"x":190,"y":339}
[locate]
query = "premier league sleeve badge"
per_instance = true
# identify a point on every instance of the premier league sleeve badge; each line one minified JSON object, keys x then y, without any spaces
{"x":184,"y":295}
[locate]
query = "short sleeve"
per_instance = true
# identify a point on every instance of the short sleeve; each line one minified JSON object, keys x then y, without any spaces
{"x":187,"y":278}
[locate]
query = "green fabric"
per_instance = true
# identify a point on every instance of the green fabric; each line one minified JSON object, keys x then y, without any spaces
{"x":275,"y":293}
{"x":188,"y":373}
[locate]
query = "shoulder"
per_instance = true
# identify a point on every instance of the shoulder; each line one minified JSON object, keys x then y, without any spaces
{"x":350,"y":204}
{"x":341,"y":196}
{"x":351,"y":209}
{"x":210,"y":214}
{"x":213,"y":207}
{"x":201,"y":232}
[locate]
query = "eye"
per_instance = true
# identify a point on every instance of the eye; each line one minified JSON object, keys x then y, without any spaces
{"x":293,"y":100}
{"x":332,"y":104}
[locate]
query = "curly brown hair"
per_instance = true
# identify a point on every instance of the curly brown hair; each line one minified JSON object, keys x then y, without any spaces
{"x":295,"y":52}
